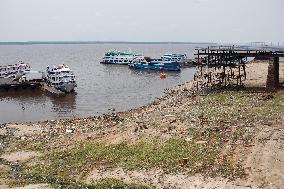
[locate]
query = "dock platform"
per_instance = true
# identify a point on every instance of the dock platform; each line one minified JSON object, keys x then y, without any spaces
{"x":6,"y":84}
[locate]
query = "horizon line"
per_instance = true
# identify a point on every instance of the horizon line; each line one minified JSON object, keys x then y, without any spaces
{"x":101,"y":42}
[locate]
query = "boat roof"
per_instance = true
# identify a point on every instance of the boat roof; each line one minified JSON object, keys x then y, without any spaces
{"x":14,"y":65}
{"x":59,"y":68}
{"x":117,"y":53}
{"x":174,"y":54}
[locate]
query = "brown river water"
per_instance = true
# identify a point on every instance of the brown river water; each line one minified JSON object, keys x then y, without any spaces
{"x":101,"y":88}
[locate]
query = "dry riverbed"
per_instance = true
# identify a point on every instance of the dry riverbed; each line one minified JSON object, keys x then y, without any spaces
{"x":226,"y":139}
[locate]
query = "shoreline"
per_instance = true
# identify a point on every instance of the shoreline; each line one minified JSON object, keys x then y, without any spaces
{"x":109,"y":112}
{"x":177,"y":121}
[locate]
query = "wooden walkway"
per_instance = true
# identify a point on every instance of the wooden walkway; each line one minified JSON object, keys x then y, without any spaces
{"x":237,"y":52}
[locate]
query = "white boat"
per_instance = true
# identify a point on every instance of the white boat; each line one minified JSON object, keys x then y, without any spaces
{"x":14,"y":71}
{"x":174,"y":57}
{"x":117,"y":57}
{"x":61,"y":77}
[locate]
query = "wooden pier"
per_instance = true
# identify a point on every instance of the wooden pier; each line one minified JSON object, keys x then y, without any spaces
{"x":224,"y":65}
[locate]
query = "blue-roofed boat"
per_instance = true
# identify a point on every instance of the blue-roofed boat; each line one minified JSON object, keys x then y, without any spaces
{"x":154,"y":64}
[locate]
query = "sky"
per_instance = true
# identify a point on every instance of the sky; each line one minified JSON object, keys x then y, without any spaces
{"x":221,"y":21}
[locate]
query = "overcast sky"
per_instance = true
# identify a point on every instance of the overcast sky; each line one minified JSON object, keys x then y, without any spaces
{"x":142,"y":20}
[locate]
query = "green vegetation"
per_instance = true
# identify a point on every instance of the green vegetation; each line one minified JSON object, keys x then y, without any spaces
{"x":77,"y":162}
{"x":237,"y":108}
{"x":85,"y":156}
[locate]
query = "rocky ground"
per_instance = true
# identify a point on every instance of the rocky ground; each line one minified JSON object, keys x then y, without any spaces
{"x":226,"y":139}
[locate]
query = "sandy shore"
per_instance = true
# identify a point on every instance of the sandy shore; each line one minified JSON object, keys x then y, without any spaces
{"x":248,"y":144}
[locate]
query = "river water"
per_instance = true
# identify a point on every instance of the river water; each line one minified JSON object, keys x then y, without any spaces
{"x":101,"y":88}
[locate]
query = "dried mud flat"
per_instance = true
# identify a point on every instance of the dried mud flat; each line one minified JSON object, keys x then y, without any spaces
{"x":227,"y":139}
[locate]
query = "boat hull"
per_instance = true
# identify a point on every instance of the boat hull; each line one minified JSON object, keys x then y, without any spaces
{"x":118,"y":63}
{"x":67,"y":87}
{"x":172,"y":67}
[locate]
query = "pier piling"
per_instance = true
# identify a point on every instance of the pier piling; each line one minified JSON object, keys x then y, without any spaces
{"x":272,"y":81}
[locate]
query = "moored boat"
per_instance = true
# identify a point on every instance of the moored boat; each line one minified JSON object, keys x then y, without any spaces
{"x":61,"y":77}
{"x":117,"y":57}
{"x":147,"y":63}
{"x":174,"y":57}
{"x":14,"y":71}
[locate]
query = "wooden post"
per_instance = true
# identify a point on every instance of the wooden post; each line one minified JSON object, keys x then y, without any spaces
{"x":272,"y":81}
{"x":198,"y":60}
{"x":276,"y":67}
